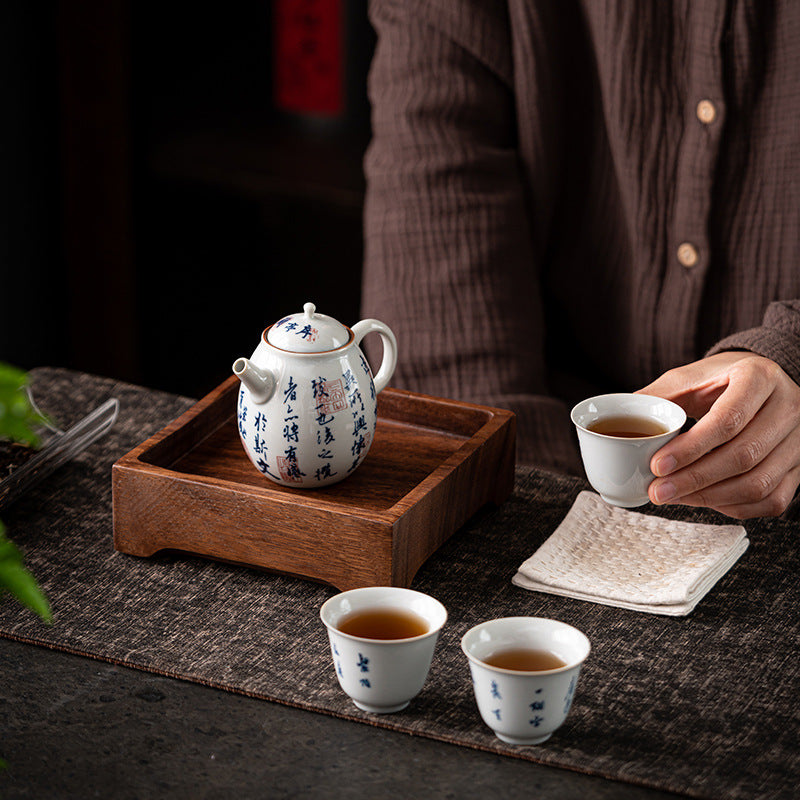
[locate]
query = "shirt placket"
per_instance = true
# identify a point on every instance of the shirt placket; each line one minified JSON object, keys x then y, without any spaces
{"x":688,"y":240}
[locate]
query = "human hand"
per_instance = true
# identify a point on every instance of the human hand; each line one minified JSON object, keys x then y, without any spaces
{"x":742,"y":456}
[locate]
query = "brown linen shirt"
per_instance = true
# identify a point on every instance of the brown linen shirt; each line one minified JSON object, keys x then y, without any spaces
{"x":568,"y":198}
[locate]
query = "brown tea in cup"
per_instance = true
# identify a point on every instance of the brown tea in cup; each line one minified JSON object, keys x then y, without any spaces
{"x":384,"y":623}
{"x":628,"y":427}
{"x":524,"y":659}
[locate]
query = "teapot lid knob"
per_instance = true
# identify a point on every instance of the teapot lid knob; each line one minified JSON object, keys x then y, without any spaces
{"x":308,"y":332}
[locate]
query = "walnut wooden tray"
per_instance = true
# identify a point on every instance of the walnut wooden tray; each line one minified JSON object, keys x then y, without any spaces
{"x":432,"y":465}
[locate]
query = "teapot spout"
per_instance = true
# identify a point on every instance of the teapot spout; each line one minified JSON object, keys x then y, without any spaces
{"x":259,"y":382}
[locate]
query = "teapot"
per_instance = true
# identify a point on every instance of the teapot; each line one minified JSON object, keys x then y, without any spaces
{"x":307,"y":406}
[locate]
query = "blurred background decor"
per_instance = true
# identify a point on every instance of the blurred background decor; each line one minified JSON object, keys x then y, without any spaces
{"x":166,"y":164}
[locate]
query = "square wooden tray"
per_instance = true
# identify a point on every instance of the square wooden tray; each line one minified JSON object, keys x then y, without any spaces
{"x":433,"y":463}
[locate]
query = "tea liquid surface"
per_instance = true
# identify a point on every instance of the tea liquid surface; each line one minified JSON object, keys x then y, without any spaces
{"x":384,"y":623}
{"x":525,"y":659}
{"x":628,"y":427}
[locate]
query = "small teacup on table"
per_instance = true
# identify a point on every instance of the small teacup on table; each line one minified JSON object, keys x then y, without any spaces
{"x":524,"y":673}
{"x":382,"y":640}
{"x":618,"y":434}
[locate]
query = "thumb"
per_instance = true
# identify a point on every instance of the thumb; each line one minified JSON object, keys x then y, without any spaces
{"x":691,"y":387}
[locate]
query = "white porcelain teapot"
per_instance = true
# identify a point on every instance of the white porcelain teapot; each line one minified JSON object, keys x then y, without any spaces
{"x":307,"y":407}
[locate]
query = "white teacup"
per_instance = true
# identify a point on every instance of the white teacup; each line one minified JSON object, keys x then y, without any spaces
{"x":382,"y":675}
{"x":524,"y":707}
{"x":618,"y":467}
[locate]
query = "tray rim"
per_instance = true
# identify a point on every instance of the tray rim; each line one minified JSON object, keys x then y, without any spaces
{"x":496,"y":419}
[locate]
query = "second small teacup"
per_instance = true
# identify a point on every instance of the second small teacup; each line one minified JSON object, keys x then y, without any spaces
{"x":618,"y":434}
{"x":524,"y":673}
{"x":382,"y":640}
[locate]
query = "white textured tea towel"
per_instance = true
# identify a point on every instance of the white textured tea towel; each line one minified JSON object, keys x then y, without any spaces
{"x":617,"y":557}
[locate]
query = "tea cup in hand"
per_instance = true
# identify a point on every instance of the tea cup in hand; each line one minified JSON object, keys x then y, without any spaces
{"x":382,"y":640}
{"x":524,"y":674}
{"x":618,"y":434}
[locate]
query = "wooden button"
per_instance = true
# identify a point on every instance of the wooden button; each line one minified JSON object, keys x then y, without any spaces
{"x":687,"y":254}
{"x":706,"y":112}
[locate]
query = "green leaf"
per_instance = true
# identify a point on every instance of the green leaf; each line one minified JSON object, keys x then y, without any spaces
{"x":11,"y":376}
{"x":15,"y":579}
{"x":18,"y":419}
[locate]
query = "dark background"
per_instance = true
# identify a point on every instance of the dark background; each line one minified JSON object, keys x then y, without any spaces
{"x":160,"y":210}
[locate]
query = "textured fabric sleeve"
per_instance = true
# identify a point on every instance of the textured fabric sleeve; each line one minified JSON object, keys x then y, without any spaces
{"x":450,"y":264}
{"x":778,"y":338}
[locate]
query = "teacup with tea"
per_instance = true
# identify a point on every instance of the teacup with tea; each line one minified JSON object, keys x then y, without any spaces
{"x":382,"y":641}
{"x":524,"y":674}
{"x":618,"y":434}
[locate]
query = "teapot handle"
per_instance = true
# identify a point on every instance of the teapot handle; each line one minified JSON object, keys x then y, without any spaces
{"x":386,"y":370}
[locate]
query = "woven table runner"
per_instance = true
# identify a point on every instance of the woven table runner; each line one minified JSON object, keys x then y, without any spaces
{"x":705,"y":705}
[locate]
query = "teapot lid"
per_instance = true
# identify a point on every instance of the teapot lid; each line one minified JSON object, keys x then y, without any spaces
{"x":308,"y":332}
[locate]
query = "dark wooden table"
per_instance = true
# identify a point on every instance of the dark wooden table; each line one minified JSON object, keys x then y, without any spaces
{"x":74,"y":727}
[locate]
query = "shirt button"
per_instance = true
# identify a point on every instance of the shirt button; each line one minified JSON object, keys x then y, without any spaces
{"x":706,"y":112}
{"x":687,"y":254}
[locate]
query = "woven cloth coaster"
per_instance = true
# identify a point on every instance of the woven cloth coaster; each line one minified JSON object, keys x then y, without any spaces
{"x":622,"y":558}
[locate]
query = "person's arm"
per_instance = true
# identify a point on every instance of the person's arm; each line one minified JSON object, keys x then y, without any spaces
{"x":450,"y":264}
{"x":742,"y":457}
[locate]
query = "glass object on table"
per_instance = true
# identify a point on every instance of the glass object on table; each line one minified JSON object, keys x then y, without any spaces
{"x":58,"y":447}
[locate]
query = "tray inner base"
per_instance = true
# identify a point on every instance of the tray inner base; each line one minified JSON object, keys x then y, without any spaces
{"x":395,"y":464}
